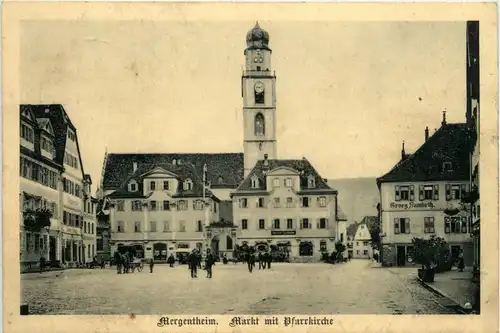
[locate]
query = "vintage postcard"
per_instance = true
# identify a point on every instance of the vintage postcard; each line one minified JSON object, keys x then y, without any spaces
{"x":265,"y":167}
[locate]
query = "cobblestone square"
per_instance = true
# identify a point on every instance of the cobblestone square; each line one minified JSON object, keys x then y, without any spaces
{"x":351,"y":288}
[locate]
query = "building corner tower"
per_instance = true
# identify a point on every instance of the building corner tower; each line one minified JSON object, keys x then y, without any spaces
{"x":258,"y":89}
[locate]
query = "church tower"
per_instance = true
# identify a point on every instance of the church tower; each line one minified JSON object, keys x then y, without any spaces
{"x":258,"y":89}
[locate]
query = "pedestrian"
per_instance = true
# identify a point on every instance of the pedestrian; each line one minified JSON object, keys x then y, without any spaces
{"x":151,"y":265}
{"x":198,"y":256}
{"x":209,"y":262}
{"x":461,"y":264}
{"x":42,"y":263}
{"x":269,"y":259}
{"x":261,"y":261}
{"x":171,"y":260}
{"x":250,"y":261}
{"x":193,"y":264}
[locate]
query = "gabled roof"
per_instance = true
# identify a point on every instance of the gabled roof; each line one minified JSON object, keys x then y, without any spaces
{"x":340,"y":214}
{"x":370,"y":221}
{"x":303,"y":167}
{"x":450,"y":143}
{"x":224,"y":170}
{"x":60,"y":122}
{"x":183,"y":172}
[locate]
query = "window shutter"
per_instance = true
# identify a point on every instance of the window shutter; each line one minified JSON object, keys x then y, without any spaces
{"x":301,"y":222}
{"x":396,"y":225}
{"x":398,"y":195}
{"x":421,"y":192}
{"x":412,"y":192}
{"x":448,"y":192}
{"x":326,"y":223}
{"x":436,"y":192}
{"x":407,"y":225}
{"x":467,"y":188}
{"x":317,"y":223}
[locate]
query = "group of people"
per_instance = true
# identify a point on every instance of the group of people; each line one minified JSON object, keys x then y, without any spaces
{"x":264,"y":259}
{"x":194,"y":263}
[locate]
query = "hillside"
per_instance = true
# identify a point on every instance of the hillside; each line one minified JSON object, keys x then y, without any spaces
{"x":358,"y":197}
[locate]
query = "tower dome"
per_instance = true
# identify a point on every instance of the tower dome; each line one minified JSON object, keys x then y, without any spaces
{"x":257,"y":38}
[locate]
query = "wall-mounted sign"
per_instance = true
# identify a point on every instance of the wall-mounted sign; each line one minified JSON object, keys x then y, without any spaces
{"x":283,"y":233}
{"x":412,"y":205}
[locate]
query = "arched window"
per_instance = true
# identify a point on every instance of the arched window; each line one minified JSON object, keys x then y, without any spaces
{"x":260,"y":127}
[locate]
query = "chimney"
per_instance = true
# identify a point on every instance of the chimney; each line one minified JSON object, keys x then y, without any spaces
{"x":134,"y":166}
{"x":403,"y":153}
{"x":266,"y":161}
{"x":426,"y":133}
{"x":174,"y":162}
{"x":443,"y":123}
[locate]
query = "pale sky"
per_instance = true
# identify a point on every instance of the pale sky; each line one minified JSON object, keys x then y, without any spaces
{"x":348,"y":93}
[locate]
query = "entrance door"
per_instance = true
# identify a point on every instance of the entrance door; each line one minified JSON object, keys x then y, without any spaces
{"x":52,"y":249}
{"x":455,"y":250}
{"x":306,"y":249}
{"x":160,"y":251}
{"x":215,"y":246}
{"x":401,"y":255}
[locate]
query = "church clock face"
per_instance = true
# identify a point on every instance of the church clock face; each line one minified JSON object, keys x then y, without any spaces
{"x":259,"y":87}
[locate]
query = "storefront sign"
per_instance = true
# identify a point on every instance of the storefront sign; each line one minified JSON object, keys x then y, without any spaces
{"x":283,"y":233}
{"x":412,"y":205}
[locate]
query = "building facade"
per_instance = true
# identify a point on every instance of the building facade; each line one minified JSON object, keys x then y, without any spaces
{"x":89,"y":229}
{"x":473,"y":115}
{"x":160,"y":209}
{"x":51,"y":183}
{"x":305,"y":222}
{"x":362,"y":248}
{"x":423,"y":195}
{"x":287,"y":204}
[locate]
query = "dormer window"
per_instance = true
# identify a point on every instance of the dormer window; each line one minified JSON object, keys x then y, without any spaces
{"x":447,"y":166}
{"x":71,"y":135}
{"x":255,"y":182}
{"x":166,"y":185}
{"x":188,"y":185}
{"x":47,"y":145}
{"x":220,"y":180}
{"x":27,"y":132}
{"x":311,"y":182}
{"x":132,"y":186}
{"x":288,"y":182}
{"x":276,"y":182}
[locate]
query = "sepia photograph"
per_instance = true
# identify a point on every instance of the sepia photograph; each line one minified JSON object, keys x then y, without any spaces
{"x":250,"y":167}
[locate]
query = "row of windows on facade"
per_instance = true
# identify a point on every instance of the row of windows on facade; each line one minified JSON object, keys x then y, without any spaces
{"x":33,"y":242}
{"x":166,"y":205}
{"x":34,"y":203}
{"x":70,"y":160}
{"x":350,"y":245}
{"x":305,"y":223}
{"x":365,"y":252}
{"x":287,"y":182}
{"x":133,"y":187}
{"x":289,"y":202}
{"x":77,"y":221}
{"x":89,"y":207}
{"x":73,"y":252}
{"x":38,"y":173}
{"x":431,"y":192}
{"x":120,"y":227}
{"x":452,"y":225}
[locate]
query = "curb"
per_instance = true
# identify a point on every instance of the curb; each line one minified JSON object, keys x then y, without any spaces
{"x":458,"y":307}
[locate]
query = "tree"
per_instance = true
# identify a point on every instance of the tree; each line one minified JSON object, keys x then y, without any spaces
{"x":339,"y":247}
{"x":375,"y":235}
{"x":36,"y":220}
{"x":429,"y":252}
